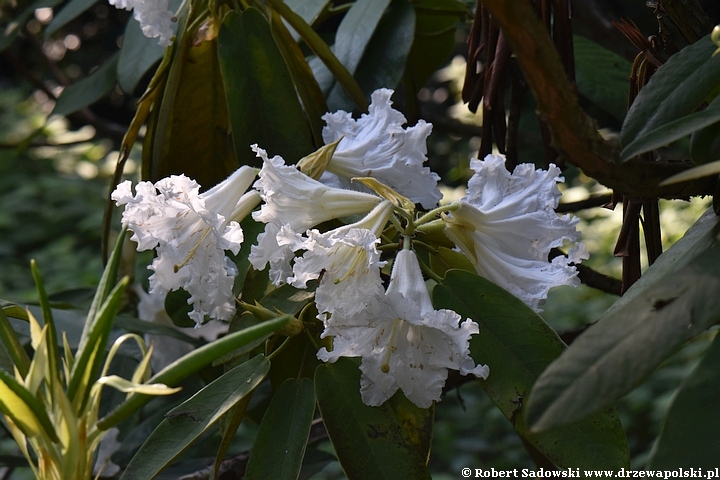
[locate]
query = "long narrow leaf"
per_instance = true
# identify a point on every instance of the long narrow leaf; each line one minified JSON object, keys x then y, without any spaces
{"x":321,"y":49}
{"x":52,"y":341}
{"x":26,"y":411}
{"x":13,"y":346}
{"x":184,"y":424}
{"x":88,"y":361}
{"x":191,"y":364}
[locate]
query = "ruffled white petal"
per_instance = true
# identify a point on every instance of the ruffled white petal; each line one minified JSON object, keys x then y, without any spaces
{"x":404,"y":343}
{"x":296,"y":202}
{"x":378,"y":146}
{"x":154,"y":17}
{"x":190,"y":232}
{"x":507,"y":225}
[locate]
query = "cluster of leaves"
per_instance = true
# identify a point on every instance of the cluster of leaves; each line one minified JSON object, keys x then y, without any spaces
{"x":236,"y":76}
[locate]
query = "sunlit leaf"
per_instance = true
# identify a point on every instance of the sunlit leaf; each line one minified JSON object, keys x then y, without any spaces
{"x":184,"y":424}
{"x":24,"y":409}
{"x":517,"y":345}
{"x":126,"y":386}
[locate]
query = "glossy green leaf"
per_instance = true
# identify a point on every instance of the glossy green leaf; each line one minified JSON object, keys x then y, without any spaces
{"x":137,"y":55}
{"x":68,"y":13}
{"x":324,"y":53}
{"x":676,"y":89}
{"x":434,"y":40}
{"x":634,"y":336}
{"x":185,"y":423}
{"x":308,"y":90}
{"x":601,"y":76}
{"x":672,"y":131}
{"x":13,"y":28}
{"x":47,"y":316}
{"x":705,"y":144}
{"x":280,"y":444}
{"x":370,"y":442}
{"x":191,"y":364}
{"x":386,"y":54}
{"x":691,"y":431}
{"x":351,"y":40}
{"x":189,"y":128}
{"x":517,"y":345}
{"x":308,"y":10}
{"x":261,"y":97}
{"x":88,"y":90}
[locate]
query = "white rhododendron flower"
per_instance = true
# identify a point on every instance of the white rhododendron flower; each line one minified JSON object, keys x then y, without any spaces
{"x":378,"y":146}
{"x":346,"y":258}
{"x":299,"y":202}
{"x":404,"y":343}
{"x":190,"y":232}
{"x":507,"y":224}
{"x":153,"y":15}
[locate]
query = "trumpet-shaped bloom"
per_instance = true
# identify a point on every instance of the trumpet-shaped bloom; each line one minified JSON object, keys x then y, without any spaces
{"x":378,"y":146}
{"x":190,"y":232}
{"x":345,"y":260}
{"x":404,"y":343}
{"x":507,"y":224}
{"x":294,"y":200}
{"x":153,"y":15}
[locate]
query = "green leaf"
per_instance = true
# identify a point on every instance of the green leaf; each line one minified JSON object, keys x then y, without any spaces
{"x":712,"y":168}
{"x":47,"y":315}
{"x":191,"y":364}
{"x":308,"y":10}
{"x":28,"y":413}
{"x":351,"y":40}
{"x":261,"y":97}
{"x":517,"y":345}
{"x":634,"y":336}
{"x":187,"y":422}
{"x":13,"y":346}
{"x":434,"y":40}
{"x":88,"y":90}
{"x":386,"y":55}
{"x":672,"y":131}
{"x":13,"y":28}
{"x":311,"y":96}
{"x":178,"y":308}
{"x":280,"y":444}
{"x":137,"y":55}
{"x":324,"y":53}
{"x":95,"y":330}
{"x":676,"y":89}
{"x":705,"y":144}
{"x":71,"y":11}
{"x":691,"y":431}
{"x":370,"y":442}
{"x":602,"y":76}
{"x":189,"y":128}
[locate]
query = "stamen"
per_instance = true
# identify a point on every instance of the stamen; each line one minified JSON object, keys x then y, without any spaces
{"x":192,"y":251}
{"x":385,"y":367}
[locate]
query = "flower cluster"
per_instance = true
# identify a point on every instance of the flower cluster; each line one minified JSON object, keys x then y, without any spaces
{"x":506,"y":225}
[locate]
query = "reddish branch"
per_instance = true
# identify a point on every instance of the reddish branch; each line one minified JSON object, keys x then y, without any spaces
{"x":574,"y":133}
